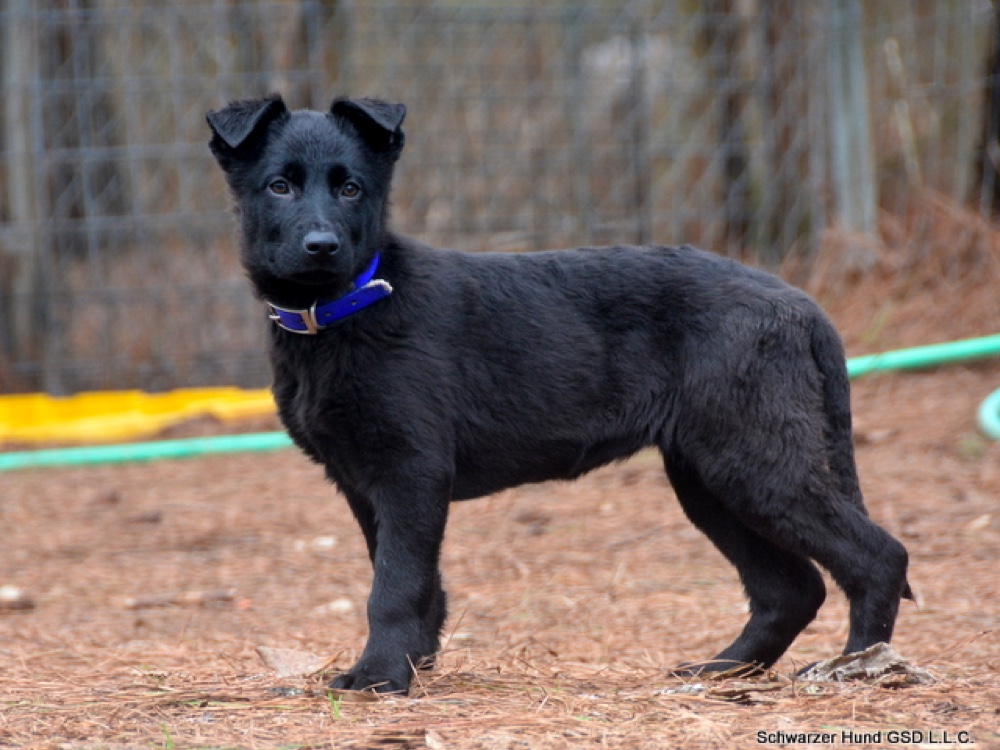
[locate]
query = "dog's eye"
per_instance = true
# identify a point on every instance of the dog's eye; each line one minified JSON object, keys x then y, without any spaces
{"x":350,"y":190}
{"x":280,"y":187}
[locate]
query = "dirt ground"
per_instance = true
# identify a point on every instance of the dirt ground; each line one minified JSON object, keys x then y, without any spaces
{"x":153,"y":586}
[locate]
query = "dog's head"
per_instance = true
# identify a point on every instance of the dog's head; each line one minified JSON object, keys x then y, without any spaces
{"x":311,"y":188}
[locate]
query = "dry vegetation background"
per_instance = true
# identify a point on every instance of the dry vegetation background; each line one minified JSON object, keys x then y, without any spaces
{"x":155,"y":584}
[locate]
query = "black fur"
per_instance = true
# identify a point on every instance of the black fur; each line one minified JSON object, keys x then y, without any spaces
{"x":485,"y":371}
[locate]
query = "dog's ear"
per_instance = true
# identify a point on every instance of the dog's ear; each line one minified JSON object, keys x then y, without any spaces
{"x":379,"y":123}
{"x":239,"y":127}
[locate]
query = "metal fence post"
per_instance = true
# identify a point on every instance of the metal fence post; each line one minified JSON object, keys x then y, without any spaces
{"x":21,"y":322}
{"x":853,"y":161}
{"x":576,"y":116}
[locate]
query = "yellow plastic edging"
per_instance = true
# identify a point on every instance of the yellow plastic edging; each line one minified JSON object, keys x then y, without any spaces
{"x":107,"y":416}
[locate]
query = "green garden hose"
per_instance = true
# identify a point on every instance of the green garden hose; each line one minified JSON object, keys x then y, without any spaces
{"x":925,"y":356}
{"x":989,"y":416}
{"x":149,"y":451}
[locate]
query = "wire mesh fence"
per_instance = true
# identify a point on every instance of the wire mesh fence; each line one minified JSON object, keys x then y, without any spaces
{"x":745,"y":126}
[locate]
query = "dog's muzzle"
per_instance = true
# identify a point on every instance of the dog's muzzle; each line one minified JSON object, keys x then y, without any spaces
{"x":310,"y":321}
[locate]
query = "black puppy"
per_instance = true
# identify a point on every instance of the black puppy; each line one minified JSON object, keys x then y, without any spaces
{"x":418,"y":376}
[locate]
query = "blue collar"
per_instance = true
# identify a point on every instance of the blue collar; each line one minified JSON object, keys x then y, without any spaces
{"x":367,"y":290}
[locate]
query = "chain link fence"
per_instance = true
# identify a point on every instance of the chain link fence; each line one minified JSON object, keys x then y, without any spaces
{"x":745,"y":126}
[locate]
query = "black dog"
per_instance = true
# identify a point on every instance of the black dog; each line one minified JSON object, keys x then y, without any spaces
{"x":418,"y":376}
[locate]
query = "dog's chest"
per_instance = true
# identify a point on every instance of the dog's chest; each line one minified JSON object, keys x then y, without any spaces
{"x":322,"y":392}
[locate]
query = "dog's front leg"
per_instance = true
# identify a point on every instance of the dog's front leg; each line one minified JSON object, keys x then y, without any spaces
{"x":407,"y":607}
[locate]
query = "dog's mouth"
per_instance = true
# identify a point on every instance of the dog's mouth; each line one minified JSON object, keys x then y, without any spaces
{"x":284,"y":266}
{"x":315,"y":277}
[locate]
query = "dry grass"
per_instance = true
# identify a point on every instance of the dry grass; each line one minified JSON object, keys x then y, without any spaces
{"x":570,"y":602}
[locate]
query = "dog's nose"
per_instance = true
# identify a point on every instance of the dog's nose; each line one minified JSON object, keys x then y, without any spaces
{"x":321,"y":243}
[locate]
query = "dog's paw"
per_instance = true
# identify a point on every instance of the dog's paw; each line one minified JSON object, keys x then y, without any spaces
{"x":361,"y":678}
{"x":374,"y":683}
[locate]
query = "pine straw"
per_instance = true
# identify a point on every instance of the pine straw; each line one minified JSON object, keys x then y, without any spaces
{"x":570,"y":602}
{"x":496,"y":703}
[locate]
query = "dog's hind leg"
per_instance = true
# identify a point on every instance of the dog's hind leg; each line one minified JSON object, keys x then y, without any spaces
{"x":873,"y":590}
{"x":866,"y":561}
{"x":784,"y":588}
{"x":801,"y":511}
{"x":765,"y":433}
{"x":869,"y":565}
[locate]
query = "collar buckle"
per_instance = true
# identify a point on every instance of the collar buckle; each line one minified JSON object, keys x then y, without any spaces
{"x":285,"y":318}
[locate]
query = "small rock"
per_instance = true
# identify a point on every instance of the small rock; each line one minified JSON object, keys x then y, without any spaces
{"x":532,"y":518}
{"x":978,"y":524}
{"x":150,"y":517}
{"x":13,"y":598}
{"x":433,"y":740}
{"x":285,"y":691}
{"x":692,"y":689}
{"x":107,"y":497}
{"x":289,"y":662}
{"x":872,"y":437}
{"x":342,"y":606}
{"x":319,"y":544}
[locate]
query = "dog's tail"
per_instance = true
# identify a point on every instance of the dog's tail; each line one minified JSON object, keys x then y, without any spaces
{"x":828,"y":353}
